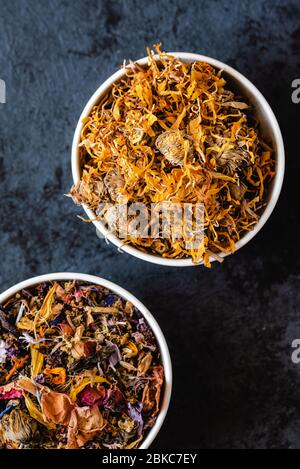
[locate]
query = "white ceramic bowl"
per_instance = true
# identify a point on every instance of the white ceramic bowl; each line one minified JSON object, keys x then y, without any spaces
{"x":166,"y":360}
{"x":269,"y":126}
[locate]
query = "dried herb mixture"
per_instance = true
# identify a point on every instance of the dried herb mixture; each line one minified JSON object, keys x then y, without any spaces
{"x":79,"y":368}
{"x":175,"y":132}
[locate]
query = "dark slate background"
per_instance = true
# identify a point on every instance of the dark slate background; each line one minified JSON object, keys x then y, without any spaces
{"x":229,"y":329}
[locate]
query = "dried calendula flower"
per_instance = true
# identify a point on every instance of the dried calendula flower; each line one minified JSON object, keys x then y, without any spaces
{"x":90,"y":189}
{"x":81,"y":368}
{"x":114,"y":182}
{"x":57,"y":375}
{"x":231,"y":160}
{"x":18,"y":427}
{"x":237,"y":191}
{"x":173,"y":146}
{"x":130,"y":350}
{"x":176,"y":131}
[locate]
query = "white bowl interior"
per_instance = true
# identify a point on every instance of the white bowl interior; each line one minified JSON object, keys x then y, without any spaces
{"x":270,"y":130}
{"x":165,"y":355}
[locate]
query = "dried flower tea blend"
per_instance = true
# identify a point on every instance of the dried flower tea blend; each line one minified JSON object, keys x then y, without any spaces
{"x":175,"y":132}
{"x":79,"y":368}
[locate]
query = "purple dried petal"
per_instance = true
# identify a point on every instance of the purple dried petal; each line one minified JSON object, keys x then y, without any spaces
{"x":60,"y":318}
{"x":138,"y":337}
{"x":115,"y":356}
{"x":144,"y":329}
{"x":43,"y":289}
{"x":135,"y":413}
{"x":110,"y":299}
{"x":115,"y":401}
{"x":40,"y":379}
{"x":12,"y":351}
{"x":139,"y":383}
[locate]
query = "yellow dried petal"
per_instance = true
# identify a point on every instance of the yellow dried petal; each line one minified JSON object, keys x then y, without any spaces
{"x":85,"y":382}
{"x":36,"y":414}
{"x":37,"y":361}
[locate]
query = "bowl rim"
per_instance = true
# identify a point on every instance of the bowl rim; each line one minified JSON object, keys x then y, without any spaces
{"x":165,"y":354}
{"x":272,"y":121}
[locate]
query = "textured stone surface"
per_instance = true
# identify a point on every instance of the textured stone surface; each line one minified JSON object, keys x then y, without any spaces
{"x":229,"y":329}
